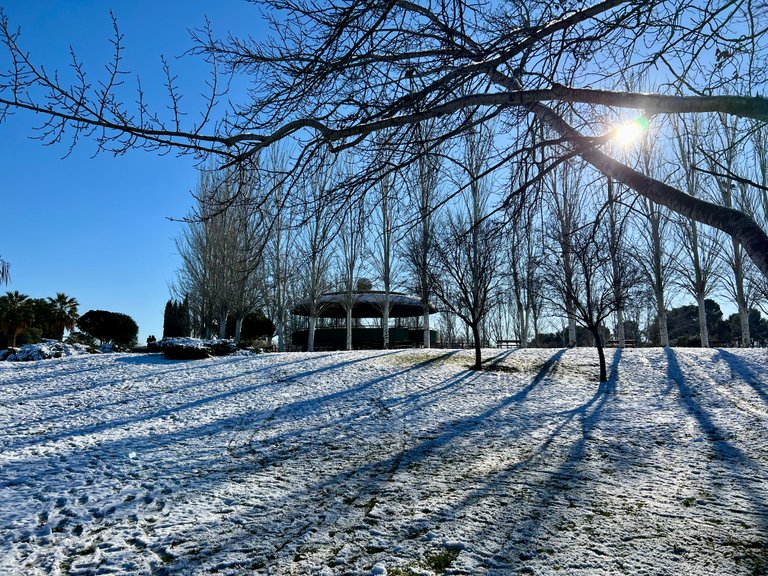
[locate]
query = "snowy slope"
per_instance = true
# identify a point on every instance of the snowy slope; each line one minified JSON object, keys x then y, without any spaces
{"x":396,"y":462}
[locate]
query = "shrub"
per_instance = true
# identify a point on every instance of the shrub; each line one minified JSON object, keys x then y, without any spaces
{"x":31,"y":335}
{"x":255,"y":326}
{"x":222,"y":347}
{"x":81,"y":338}
{"x":194,"y":348}
{"x":185,"y":353}
{"x":176,"y":319}
{"x":109,"y":327}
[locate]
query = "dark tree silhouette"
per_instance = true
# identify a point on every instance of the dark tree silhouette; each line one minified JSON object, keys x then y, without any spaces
{"x":109,"y":327}
{"x":343,"y":71}
{"x":591,"y":289}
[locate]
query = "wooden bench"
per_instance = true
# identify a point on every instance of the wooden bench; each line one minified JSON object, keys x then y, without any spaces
{"x":507,"y":343}
{"x":628,"y":343}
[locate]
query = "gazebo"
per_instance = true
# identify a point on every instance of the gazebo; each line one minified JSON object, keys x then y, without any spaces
{"x":366,"y":304}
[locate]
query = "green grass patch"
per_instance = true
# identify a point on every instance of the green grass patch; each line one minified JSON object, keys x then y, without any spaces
{"x":440,"y":561}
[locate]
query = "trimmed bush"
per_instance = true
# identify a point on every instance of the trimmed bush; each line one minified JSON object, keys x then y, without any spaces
{"x":183,"y":353}
{"x":109,"y":327}
{"x":194,"y":348}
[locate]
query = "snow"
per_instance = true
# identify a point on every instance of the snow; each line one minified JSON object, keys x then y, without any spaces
{"x":402,"y":462}
{"x":43,"y":351}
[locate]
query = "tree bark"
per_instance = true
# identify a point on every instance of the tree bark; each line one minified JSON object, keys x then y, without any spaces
{"x":615,"y":264}
{"x":223,"y":326}
{"x":385,"y":319}
{"x":349,"y":328}
{"x":700,"y":288}
{"x":737,"y":224}
{"x":478,"y":351}
{"x":703,"y":330}
{"x":311,"y":334}
{"x":595,"y":330}
{"x":238,"y":329}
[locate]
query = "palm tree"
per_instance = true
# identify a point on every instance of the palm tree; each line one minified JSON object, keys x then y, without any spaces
{"x":16,"y":314}
{"x":63,"y":314}
{"x":5,"y":271}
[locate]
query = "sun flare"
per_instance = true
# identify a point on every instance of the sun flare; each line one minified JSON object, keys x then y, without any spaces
{"x":629,"y":133}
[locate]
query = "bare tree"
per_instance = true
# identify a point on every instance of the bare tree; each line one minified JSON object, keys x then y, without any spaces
{"x":465,"y":274}
{"x":655,"y":253}
{"x":697,"y":262}
{"x":383,"y":251}
{"x":423,"y":180}
{"x":280,"y":259}
{"x":563,"y":185}
{"x":346,"y":70}
{"x":591,"y":287}
{"x":314,"y":244}
{"x":351,"y":243}
{"x":5,"y":271}
{"x":617,"y":250}
{"x":524,"y":259}
{"x":207,"y":247}
{"x":466,"y":251}
{"x":250,"y":229}
{"x":732,"y":195}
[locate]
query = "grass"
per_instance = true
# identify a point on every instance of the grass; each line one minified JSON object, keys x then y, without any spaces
{"x":438,"y":562}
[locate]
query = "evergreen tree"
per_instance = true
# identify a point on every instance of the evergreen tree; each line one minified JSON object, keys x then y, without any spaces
{"x":109,"y":327}
{"x":63,"y":314}
{"x":176,"y":319}
{"x":16,"y":314}
{"x":169,"y":319}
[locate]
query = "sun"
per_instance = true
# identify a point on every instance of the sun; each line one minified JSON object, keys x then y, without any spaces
{"x":630,"y":132}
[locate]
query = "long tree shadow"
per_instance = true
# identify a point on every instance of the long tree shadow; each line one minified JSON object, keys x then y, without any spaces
{"x":568,"y":476}
{"x":739,"y":368}
{"x":717,"y":438}
{"x":442,"y":436}
{"x":182,"y":367}
{"x":168,"y":411}
{"x":370,"y":474}
{"x":448,"y":432}
{"x":291,"y":411}
{"x":143,"y":360}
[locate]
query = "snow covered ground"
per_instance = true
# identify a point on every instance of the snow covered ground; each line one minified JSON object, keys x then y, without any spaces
{"x":393,"y":463}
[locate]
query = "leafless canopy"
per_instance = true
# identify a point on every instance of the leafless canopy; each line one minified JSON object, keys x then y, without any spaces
{"x":334,"y":72}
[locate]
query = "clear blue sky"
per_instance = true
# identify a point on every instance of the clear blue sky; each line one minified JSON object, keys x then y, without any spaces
{"x":97,"y":227}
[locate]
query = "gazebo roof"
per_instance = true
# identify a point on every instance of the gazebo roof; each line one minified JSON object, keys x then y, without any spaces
{"x":367,"y":304}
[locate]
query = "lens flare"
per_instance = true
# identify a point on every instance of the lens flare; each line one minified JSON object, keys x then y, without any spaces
{"x":629,"y":133}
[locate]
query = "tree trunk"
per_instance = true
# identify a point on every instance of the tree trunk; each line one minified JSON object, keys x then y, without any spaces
{"x":620,"y":332}
{"x":703,"y":331}
{"x":280,"y":329}
{"x":698,"y":276}
{"x":615,"y":265}
{"x":478,"y":352}
{"x":349,"y":327}
{"x":427,"y":339}
{"x":385,"y":323}
{"x":223,"y":326}
{"x":600,"y":352}
{"x":661,"y":315}
{"x":522,"y":322}
{"x":572,"y":341}
{"x":311,"y":333}
{"x":238,"y":329}
{"x":741,"y":299}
